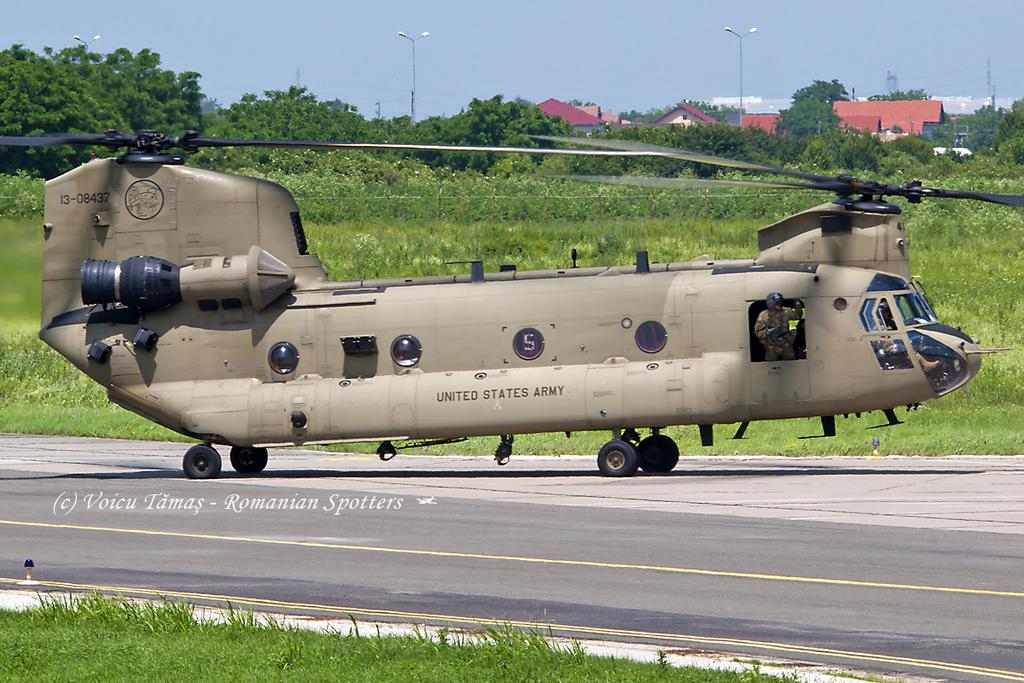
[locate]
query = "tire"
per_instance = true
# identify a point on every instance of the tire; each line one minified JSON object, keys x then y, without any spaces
{"x":658,"y":453}
{"x":248,"y":460}
{"x":201,"y":462}
{"x":617,"y":458}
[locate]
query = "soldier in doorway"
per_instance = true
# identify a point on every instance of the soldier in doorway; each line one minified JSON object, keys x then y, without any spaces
{"x":772,"y":328}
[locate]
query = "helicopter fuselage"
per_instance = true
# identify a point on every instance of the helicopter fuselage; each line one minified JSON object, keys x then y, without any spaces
{"x":513,"y":352}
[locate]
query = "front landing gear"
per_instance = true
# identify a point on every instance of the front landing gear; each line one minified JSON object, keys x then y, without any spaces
{"x":657,"y":453}
{"x":248,"y":460}
{"x":201,"y":461}
{"x":617,"y":458}
{"x":626,"y":452}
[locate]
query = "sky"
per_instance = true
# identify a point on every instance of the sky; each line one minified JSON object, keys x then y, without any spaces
{"x":622,"y":55}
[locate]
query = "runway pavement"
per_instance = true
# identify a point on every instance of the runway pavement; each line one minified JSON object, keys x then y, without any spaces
{"x":892,"y":565}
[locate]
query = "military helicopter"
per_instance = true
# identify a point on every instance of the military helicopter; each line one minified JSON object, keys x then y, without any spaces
{"x":191,"y":296}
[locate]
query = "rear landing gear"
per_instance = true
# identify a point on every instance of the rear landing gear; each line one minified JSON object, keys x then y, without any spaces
{"x":248,"y":460}
{"x":201,"y":462}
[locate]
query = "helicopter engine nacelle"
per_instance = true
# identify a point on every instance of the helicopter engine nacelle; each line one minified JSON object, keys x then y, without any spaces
{"x":148,"y":283}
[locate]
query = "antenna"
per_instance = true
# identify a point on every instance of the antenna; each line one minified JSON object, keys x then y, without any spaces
{"x":989,"y":90}
{"x":892,"y":83}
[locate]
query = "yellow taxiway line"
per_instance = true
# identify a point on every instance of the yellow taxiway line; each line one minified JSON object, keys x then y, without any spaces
{"x":524,"y":559}
{"x":805,"y":650}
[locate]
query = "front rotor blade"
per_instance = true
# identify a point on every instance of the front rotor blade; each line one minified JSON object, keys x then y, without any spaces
{"x":627,"y":146}
{"x":683,"y":183}
{"x":1004,"y":199}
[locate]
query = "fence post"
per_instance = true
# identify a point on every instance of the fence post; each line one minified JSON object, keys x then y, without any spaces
{"x":546,"y":214}
{"x":654,"y":206}
{"x":440,"y":213}
{"x":494,"y":205}
{"x":600,"y":204}
{"x":388,"y":209}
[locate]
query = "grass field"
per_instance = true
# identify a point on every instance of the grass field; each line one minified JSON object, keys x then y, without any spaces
{"x":95,"y":638}
{"x":968,"y":255}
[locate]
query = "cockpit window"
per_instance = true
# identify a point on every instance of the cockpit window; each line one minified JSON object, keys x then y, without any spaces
{"x":891,"y":354}
{"x":876,"y":315}
{"x":945,"y":369}
{"x":914,"y":309}
{"x":886,"y":283}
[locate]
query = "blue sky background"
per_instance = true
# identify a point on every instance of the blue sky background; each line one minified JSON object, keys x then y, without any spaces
{"x":623,"y":55}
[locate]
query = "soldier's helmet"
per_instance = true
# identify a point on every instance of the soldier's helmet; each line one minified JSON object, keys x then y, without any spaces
{"x":774,"y":299}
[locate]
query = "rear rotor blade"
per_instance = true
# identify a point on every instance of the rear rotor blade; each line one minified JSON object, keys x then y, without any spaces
{"x":70,"y":139}
{"x":198,"y":142}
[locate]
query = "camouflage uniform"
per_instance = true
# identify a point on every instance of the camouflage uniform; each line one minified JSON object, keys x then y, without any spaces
{"x":777,"y":347}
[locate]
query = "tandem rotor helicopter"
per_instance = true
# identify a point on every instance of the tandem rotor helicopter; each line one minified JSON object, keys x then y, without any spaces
{"x":190,"y":295}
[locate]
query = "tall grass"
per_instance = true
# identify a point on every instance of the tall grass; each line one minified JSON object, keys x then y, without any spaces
{"x":93,"y":637}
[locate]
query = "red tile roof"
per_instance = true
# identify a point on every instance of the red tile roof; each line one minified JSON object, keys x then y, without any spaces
{"x":908,"y":115}
{"x":867,"y":123}
{"x":574,"y":115}
{"x":766,"y":122}
{"x":691,"y":113}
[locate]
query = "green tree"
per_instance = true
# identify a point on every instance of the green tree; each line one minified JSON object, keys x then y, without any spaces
{"x":40,"y":97}
{"x":808,"y":116}
{"x":1010,"y":126}
{"x":822,"y":91}
{"x":898,"y":95}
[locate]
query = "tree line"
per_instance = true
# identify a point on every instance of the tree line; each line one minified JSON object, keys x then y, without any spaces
{"x":75,"y":90}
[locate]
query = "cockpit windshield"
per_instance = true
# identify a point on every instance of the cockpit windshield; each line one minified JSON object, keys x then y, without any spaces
{"x":945,"y":368}
{"x":915,"y":309}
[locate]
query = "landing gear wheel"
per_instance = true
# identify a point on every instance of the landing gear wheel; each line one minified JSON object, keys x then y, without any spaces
{"x":617,"y":458}
{"x":503,"y":453}
{"x":248,"y":460}
{"x":658,"y":453}
{"x":386,"y":450}
{"x":201,"y":462}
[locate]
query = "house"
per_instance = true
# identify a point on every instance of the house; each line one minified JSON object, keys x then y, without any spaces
{"x":580,"y":120}
{"x":606,"y":116}
{"x":913,"y":117}
{"x":684,"y":115}
{"x":865,"y":123}
{"x":766,"y":122}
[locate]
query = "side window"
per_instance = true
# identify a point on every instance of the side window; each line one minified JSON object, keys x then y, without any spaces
{"x":876,"y":315}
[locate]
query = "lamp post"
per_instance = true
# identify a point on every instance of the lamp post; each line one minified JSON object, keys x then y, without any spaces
{"x":741,"y":36}
{"x":412,"y":97}
{"x":87,"y":43}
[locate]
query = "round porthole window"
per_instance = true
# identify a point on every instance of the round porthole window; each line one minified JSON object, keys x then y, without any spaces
{"x":283,"y":358}
{"x":406,"y":350}
{"x":651,"y":336}
{"x":528,"y":343}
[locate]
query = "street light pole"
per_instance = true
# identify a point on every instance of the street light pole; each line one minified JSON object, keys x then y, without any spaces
{"x":87,"y":43}
{"x":412,"y":96}
{"x":741,"y":36}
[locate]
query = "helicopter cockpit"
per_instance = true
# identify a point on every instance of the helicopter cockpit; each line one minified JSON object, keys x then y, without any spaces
{"x":945,"y":368}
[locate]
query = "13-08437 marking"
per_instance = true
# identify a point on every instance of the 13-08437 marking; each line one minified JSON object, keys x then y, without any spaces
{"x":84,"y":198}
